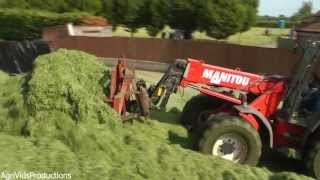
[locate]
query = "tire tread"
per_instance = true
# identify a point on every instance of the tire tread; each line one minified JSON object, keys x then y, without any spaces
{"x":310,"y":157}
{"x":194,"y":107}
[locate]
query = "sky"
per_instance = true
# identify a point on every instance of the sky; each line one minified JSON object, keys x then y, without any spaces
{"x":286,"y":7}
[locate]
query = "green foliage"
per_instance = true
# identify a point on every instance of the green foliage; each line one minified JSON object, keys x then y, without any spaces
{"x":134,"y":14}
{"x":303,"y":12}
{"x":67,"y":127}
{"x":250,"y":15}
{"x":125,"y":12}
{"x":219,"y":18}
{"x":13,"y":4}
{"x":154,"y":15}
{"x":49,"y":5}
{"x":17,"y":24}
{"x":273,"y":24}
{"x":91,"y":6}
{"x":183,"y":15}
{"x":223,"y":22}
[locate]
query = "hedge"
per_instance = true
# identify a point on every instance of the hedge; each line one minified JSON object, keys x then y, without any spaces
{"x":18,"y":24}
{"x":274,"y":24}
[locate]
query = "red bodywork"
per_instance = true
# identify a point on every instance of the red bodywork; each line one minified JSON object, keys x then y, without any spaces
{"x":268,"y":92}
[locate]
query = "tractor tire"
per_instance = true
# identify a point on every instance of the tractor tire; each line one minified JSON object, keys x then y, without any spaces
{"x":232,"y":138}
{"x":312,"y":160}
{"x":197,"y":110}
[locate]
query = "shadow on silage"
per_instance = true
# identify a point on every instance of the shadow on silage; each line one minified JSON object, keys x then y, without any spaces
{"x":185,"y":142}
{"x":171,"y":117}
{"x":278,"y":162}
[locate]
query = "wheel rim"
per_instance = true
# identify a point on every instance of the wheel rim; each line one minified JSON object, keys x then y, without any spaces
{"x":232,"y":147}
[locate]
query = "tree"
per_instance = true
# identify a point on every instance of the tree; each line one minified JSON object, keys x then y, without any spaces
{"x":251,"y":13}
{"x":183,"y":16}
{"x":154,"y":15}
{"x":14,"y":4}
{"x":2,"y":2}
{"x":282,"y":16}
{"x":218,"y":18}
{"x":49,"y":5}
{"x":304,"y":11}
{"x":92,"y":6}
{"x":60,"y":6}
{"x":124,"y":12}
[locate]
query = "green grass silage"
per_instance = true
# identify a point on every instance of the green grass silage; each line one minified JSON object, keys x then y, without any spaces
{"x":55,"y":120}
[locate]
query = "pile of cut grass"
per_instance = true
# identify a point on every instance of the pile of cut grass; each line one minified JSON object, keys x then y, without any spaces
{"x":55,"y":120}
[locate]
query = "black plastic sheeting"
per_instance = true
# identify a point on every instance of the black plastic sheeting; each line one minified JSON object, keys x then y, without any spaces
{"x":18,"y":57}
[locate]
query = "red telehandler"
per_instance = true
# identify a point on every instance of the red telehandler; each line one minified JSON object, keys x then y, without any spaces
{"x":238,"y":114}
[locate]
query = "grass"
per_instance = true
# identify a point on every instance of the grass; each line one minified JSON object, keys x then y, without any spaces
{"x":56,"y":120}
{"x":255,"y":36}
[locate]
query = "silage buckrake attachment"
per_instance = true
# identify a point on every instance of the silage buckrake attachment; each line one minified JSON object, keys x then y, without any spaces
{"x":127,"y":96}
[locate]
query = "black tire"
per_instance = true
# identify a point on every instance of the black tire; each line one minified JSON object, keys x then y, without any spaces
{"x":197,"y":110}
{"x":226,"y":125}
{"x":312,"y":160}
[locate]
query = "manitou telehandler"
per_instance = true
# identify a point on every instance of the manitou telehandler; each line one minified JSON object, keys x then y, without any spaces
{"x":238,"y":114}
